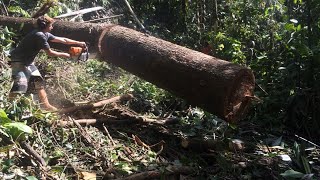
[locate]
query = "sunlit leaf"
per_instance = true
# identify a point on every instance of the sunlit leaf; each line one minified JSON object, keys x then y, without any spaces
{"x":292,"y":174}
{"x":19,"y":126}
{"x":3,"y":117}
{"x":31,"y":178}
{"x":290,"y":27}
{"x":294,"y":21}
{"x":298,"y":27}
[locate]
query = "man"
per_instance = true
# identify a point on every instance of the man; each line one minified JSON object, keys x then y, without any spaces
{"x":24,"y":72}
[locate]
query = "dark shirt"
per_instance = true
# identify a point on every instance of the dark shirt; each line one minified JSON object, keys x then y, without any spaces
{"x":30,"y":46}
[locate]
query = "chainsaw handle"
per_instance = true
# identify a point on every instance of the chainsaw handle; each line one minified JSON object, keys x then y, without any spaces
{"x":86,"y":51}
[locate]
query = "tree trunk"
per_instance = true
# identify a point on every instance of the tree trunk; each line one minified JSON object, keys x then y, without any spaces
{"x":216,"y":85}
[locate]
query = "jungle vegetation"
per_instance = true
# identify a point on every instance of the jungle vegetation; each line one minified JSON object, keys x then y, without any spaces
{"x":278,"y":39}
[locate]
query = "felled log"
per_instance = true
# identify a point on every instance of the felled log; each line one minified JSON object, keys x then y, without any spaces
{"x":217,"y":86}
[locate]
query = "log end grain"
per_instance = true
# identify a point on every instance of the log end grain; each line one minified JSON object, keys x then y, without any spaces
{"x":240,"y":96}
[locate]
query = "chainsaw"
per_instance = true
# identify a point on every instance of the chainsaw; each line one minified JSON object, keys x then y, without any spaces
{"x":80,"y":54}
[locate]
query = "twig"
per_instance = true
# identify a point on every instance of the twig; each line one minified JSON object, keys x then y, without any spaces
{"x":160,"y":151}
{"x":307,"y":141}
{"x":139,"y":142}
{"x":83,"y":133}
{"x":4,"y":8}
{"x":109,"y":136}
{"x":262,"y":89}
{"x":33,"y":153}
{"x":90,"y":140}
{"x":158,"y":144}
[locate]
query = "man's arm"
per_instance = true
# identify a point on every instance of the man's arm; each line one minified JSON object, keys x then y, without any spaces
{"x":51,"y":52}
{"x":64,"y":40}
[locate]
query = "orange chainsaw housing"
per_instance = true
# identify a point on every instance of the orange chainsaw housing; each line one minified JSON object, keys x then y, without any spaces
{"x":75,"y":51}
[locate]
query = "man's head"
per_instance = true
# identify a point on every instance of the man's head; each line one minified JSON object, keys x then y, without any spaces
{"x":45,"y":23}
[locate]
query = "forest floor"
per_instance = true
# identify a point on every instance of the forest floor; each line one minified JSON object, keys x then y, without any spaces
{"x":135,"y":138}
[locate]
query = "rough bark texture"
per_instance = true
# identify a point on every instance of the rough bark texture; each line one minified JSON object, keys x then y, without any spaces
{"x":211,"y":83}
{"x":217,"y":86}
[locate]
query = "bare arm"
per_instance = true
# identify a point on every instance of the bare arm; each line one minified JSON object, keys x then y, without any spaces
{"x":64,"y":40}
{"x":51,"y":52}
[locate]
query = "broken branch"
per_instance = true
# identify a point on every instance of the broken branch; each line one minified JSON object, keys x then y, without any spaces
{"x":157,"y":174}
{"x":109,"y":17}
{"x":33,"y":153}
{"x":125,"y":97}
{"x":86,"y":122}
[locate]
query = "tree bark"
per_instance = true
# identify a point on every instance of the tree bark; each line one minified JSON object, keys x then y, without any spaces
{"x":216,"y":85}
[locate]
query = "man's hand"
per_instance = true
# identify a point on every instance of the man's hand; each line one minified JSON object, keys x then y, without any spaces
{"x":51,"y":52}
{"x":64,"y":40}
{"x":82,"y":44}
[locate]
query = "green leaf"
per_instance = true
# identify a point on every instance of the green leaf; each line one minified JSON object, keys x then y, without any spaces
{"x":292,"y":174}
{"x":3,"y":117}
{"x":298,"y":27}
{"x":290,"y":27}
{"x":31,"y":178}
{"x":19,"y":10}
{"x":306,"y":165}
{"x":20,"y":126}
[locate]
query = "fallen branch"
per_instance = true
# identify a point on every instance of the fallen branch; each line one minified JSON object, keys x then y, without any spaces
{"x":86,"y":122}
{"x":80,"y":12}
{"x":4,"y":8}
{"x":109,"y":17}
{"x":90,"y":140}
{"x":109,"y":136}
{"x":33,"y":153}
{"x":158,"y":174}
{"x":44,"y":9}
{"x":125,"y":97}
{"x":139,"y":142}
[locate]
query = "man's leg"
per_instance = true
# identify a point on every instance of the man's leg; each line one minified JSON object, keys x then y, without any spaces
{"x":44,"y":100}
{"x":20,"y":81}
{"x":37,"y":85}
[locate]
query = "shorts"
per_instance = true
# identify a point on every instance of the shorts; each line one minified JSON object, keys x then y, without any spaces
{"x":26,"y":78}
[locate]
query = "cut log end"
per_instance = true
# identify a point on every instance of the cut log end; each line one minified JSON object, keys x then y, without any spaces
{"x":239,"y":98}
